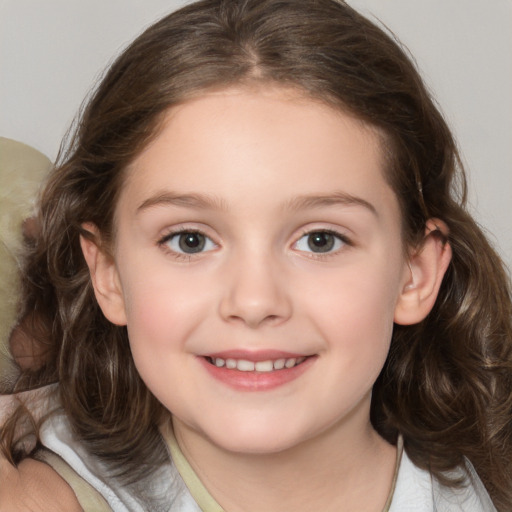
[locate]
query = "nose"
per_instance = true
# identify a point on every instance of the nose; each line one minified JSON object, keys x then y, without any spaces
{"x":255,"y":293}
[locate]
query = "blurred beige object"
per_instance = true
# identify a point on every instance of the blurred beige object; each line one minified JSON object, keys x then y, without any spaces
{"x":22,"y":170}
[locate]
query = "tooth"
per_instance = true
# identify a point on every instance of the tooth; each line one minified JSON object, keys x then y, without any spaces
{"x":264,"y":366}
{"x":261,"y":366}
{"x":279,"y":364}
{"x":245,"y":366}
{"x":290,"y":363}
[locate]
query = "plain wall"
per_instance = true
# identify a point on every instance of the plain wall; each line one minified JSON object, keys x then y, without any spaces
{"x":53,"y":51}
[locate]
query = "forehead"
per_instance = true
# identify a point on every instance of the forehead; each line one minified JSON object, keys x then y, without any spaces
{"x":251,"y":139}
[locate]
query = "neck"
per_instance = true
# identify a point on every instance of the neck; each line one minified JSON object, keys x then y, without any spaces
{"x":333,"y":471}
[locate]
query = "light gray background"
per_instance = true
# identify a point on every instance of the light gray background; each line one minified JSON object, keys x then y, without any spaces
{"x":52,"y":51}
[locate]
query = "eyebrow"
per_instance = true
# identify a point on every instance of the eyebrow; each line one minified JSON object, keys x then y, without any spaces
{"x":203,"y":201}
{"x":334,"y":199}
{"x":200,"y":201}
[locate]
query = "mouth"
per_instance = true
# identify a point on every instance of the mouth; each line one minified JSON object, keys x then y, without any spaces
{"x":267,"y":366}
{"x":262,"y":370}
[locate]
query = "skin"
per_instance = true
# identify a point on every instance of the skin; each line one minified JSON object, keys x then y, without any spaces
{"x":242,"y":161}
{"x":34,"y":487}
{"x":31,"y":486}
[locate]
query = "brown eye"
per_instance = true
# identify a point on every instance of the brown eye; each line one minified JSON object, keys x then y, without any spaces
{"x":188,"y":242}
{"x":320,"y":242}
{"x":191,"y":242}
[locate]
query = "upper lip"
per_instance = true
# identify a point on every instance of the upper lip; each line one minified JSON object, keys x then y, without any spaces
{"x":254,"y":355}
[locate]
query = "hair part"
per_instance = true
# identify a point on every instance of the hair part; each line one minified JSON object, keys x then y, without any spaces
{"x":446,"y":384}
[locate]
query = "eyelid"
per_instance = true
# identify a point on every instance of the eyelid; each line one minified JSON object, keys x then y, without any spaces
{"x":172,"y":232}
{"x":340,"y":234}
{"x":185,"y":227}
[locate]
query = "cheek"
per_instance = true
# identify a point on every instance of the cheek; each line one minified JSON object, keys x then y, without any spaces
{"x":162,"y":307}
{"x":152,"y":314}
{"x":354,"y":310}
{"x":158,"y":324}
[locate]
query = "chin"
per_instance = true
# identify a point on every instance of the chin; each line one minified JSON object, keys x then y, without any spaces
{"x":257,"y":441}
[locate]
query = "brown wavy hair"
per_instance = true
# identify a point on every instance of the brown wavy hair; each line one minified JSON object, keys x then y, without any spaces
{"x":447,"y":383}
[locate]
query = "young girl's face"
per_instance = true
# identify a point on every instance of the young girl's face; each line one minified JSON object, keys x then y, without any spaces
{"x":258,"y":266}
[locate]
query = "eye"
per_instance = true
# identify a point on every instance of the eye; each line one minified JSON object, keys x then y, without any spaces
{"x":188,"y":242}
{"x":320,"y":242}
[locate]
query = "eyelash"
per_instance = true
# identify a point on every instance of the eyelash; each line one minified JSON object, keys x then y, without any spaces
{"x":345,"y":241}
{"x":164,"y":241}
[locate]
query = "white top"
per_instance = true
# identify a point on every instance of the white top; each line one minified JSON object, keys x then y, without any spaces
{"x":415,"y":490}
{"x":175,"y":487}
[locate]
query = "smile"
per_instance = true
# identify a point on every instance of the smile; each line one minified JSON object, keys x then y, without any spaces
{"x":244,"y":365}
{"x":264,"y":370}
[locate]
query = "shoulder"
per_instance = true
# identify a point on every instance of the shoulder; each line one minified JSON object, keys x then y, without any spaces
{"x":34,"y":486}
{"x":418,"y":491}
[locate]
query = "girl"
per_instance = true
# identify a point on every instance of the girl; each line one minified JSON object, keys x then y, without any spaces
{"x":260,"y":284}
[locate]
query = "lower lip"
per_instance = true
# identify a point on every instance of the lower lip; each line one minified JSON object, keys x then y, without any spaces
{"x":257,"y":381}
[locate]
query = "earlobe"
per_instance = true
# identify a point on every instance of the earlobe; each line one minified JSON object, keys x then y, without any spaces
{"x":104,"y":276}
{"x":426,"y":269}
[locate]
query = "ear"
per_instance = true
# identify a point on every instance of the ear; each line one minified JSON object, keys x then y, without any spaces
{"x":104,"y":276}
{"x":427,"y":267}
